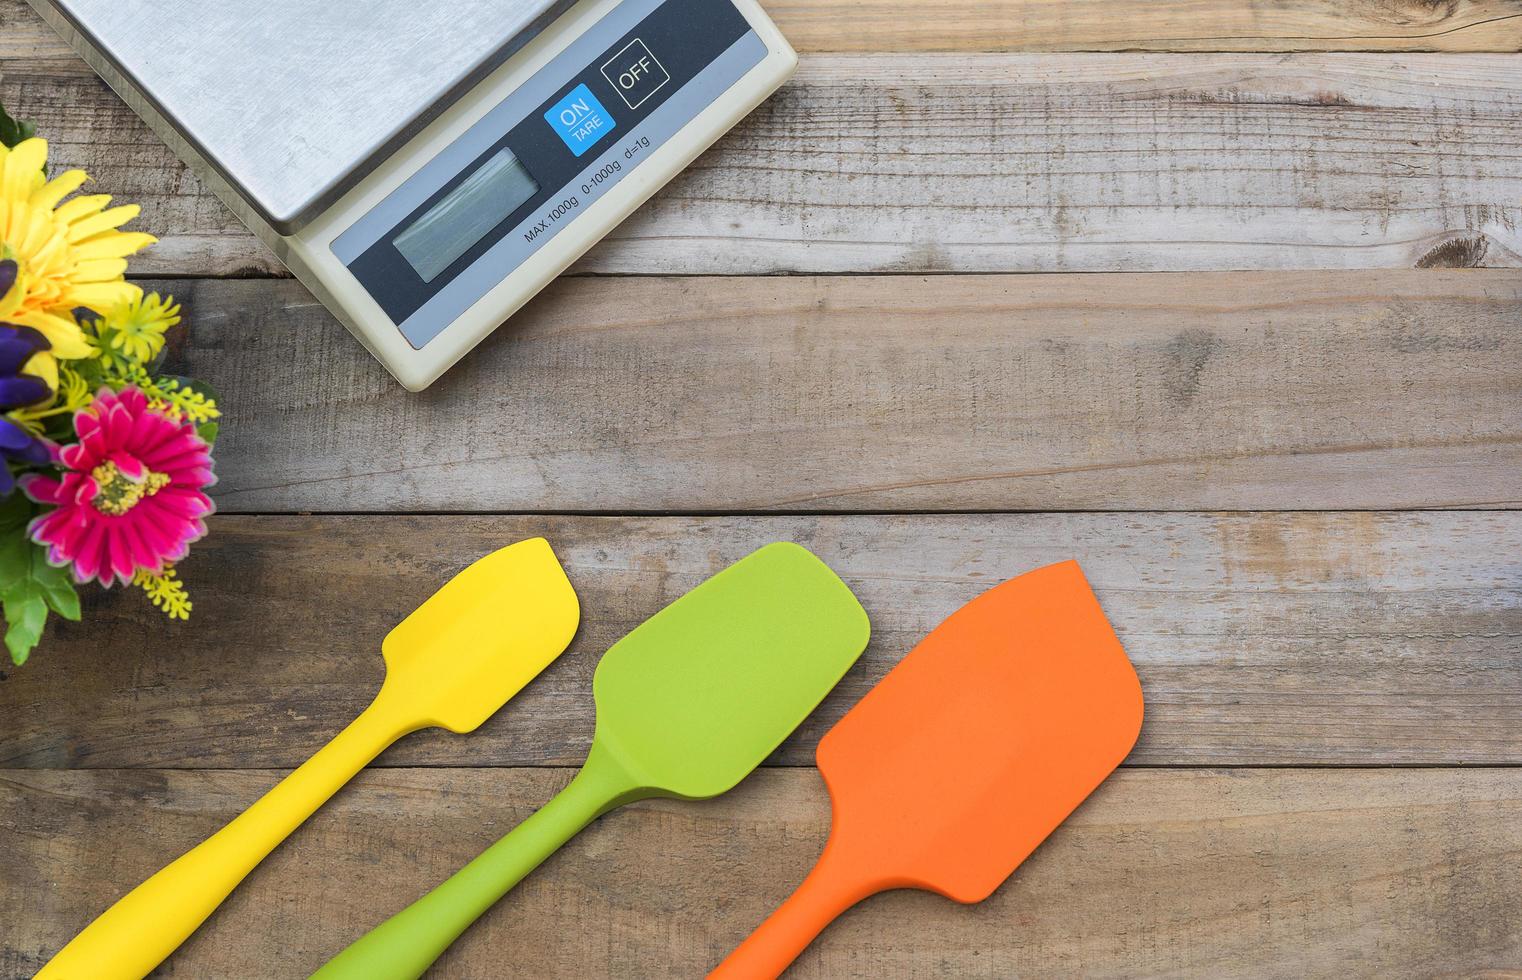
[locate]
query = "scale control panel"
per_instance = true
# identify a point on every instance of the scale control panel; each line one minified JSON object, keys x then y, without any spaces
{"x":524,"y":172}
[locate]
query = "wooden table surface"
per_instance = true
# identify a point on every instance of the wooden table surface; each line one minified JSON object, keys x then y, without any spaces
{"x":1222,"y":298}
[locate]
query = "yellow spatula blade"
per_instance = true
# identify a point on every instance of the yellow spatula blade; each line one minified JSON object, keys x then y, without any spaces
{"x":478,"y":640}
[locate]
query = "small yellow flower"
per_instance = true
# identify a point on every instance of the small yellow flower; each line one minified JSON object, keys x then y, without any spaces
{"x":70,"y":254}
{"x":136,"y":329}
{"x":165,"y":590}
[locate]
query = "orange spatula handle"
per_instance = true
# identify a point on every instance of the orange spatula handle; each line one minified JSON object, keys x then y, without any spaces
{"x":828,"y":890}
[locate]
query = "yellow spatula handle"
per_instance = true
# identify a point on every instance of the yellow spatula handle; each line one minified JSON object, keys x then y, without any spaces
{"x":135,"y":935}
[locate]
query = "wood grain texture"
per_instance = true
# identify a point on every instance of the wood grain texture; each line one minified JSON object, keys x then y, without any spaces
{"x":1261,"y":639}
{"x":1146,"y":392}
{"x":815,"y":26}
{"x":1149,"y":25}
{"x":998,"y":163}
{"x":1180,"y":873}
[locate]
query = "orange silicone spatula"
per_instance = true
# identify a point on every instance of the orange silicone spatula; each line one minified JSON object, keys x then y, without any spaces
{"x":964,"y":758}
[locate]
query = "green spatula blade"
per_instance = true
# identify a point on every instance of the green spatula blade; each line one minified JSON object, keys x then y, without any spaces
{"x":699,"y":695}
{"x":688,"y":704}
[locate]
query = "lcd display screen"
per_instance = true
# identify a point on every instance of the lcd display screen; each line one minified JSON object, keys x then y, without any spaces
{"x":447,"y":230}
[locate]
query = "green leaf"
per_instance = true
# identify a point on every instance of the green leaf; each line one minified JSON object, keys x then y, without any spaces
{"x":29,"y":586}
{"x":15,"y":558}
{"x":56,"y":584}
{"x":26,"y":615}
{"x":208,"y":432}
{"x":90,"y":370}
{"x":15,"y":548}
{"x":15,"y":511}
{"x":13,"y":131}
{"x":59,"y":428}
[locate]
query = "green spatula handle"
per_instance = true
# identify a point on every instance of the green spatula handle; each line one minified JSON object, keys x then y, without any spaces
{"x":405,"y":945}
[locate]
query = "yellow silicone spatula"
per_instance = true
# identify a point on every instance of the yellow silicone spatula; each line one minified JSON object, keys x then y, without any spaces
{"x":451,"y":664}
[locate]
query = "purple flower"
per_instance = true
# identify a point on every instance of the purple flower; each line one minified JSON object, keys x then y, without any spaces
{"x":17,"y":345}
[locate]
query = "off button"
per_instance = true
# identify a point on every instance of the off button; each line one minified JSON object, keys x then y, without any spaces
{"x":635,"y":73}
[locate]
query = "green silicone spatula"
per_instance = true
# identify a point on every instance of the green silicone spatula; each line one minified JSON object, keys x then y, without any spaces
{"x":687,"y":705}
{"x":452,"y":663}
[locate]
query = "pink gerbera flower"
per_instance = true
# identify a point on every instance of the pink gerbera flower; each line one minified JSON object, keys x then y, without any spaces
{"x":131,"y":496}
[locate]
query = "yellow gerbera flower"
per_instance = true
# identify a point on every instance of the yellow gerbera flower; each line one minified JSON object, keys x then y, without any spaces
{"x":70,"y":254}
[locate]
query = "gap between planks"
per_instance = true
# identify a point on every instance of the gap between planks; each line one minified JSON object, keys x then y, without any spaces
{"x":999,"y":163}
{"x":1229,"y":391}
{"x":892,"y":26}
{"x":1267,"y":639}
{"x":1202,"y":872}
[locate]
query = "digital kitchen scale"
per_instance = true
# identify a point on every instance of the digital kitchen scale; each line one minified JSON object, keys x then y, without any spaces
{"x":426,"y":168}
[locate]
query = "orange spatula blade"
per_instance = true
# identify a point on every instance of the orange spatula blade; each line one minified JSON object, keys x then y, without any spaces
{"x":970,"y":752}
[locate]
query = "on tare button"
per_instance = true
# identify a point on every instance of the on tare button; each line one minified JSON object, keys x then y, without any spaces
{"x":635,"y":73}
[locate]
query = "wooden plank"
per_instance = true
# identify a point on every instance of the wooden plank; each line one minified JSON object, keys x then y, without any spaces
{"x":87,"y":126}
{"x":816,"y":26}
{"x":1266,"y":873}
{"x":1145,"y":392}
{"x":1000,"y":163}
{"x":1149,"y":25}
{"x":1261,"y":639}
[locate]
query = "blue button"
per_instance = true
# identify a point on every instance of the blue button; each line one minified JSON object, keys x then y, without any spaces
{"x":579,"y":119}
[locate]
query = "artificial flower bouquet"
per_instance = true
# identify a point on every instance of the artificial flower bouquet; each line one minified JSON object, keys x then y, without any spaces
{"x":107,"y":460}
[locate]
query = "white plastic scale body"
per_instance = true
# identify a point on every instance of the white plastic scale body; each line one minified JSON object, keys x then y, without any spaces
{"x":425,"y":169}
